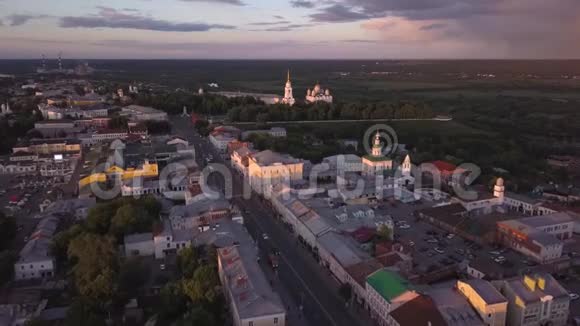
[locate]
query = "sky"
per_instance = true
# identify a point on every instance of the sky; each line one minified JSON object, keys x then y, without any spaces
{"x":290,"y":29}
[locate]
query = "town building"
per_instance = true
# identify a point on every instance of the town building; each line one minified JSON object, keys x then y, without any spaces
{"x":536,"y":300}
{"x":170,"y":241}
{"x":249,"y":294}
{"x":139,"y":113}
{"x":139,"y":245}
{"x":51,"y":112}
{"x":35,"y":260}
{"x":489,"y":303}
{"x":387,"y":291}
{"x":240,"y":159}
{"x":268,"y":168}
{"x":420,"y":310}
{"x":317,"y":94}
{"x":220,"y":137}
{"x":49,"y":146}
{"x":276,"y":132}
{"x":198,"y":215}
{"x":454,"y":307}
{"x":341,"y":164}
{"x":539,"y":237}
{"x":56,"y":128}
{"x":376,"y":163}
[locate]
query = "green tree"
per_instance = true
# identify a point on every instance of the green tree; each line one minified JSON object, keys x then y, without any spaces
{"x":202,"y":287}
{"x":173,"y":301}
{"x":83,"y":312}
{"x":96,"y":267}
{"x":7,"y":260}
{"x":188,"y":261}
{"x":198,"y":316}
{"x":384,"y":233}
{"x":7,"y":230}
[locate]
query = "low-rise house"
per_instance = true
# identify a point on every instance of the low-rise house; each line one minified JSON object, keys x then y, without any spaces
{"x":139,"y":245}
{"x":454,"y":307}
{"x":170,"y":241}
{"x":489,"y":303}
{"x":20,"y":306}
{"x":198,"y":214}
{"x":536,"y":300}
{"x":420,"y":310}
{"x":386,"y":291}
{"x":249,"y":294}
{"x":35,"y":260}
{"x":539,"y":237}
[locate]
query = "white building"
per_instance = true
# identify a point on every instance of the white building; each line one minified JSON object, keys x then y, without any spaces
{"x":344,"y":163}
{"x":240,"y":159}
{"x":318,"y":95}
{"x":170,"y":241}
{"x":35,"y":260}
{"x":251,"y":298}
{"x":386,"y":291}
{"x":199,"y":214}
{"x":376,"y":163}
{"x":143,"y":113}
{"x":139,"y":245}
{"x":268,"y":168}
{"x":288,"y":97}
{"x":536,"y":300}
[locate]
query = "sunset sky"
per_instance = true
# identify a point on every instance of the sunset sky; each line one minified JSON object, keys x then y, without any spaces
{"x":290,"y":29}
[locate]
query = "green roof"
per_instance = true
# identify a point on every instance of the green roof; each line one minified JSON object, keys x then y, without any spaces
{"x":377,"y":158}
{"x":388,"y":284}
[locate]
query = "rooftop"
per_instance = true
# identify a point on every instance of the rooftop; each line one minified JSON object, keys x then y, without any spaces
{"x":419,"y":311}
{"x":388,"y":284}
{"x":533,"y":288}
{"x":486,"y":291}
{"x":268,"y":157}
{"x":454,"y":308}
{"x":137,"y":238}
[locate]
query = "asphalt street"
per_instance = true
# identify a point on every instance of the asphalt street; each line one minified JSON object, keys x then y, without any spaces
{"x":312,"y":290}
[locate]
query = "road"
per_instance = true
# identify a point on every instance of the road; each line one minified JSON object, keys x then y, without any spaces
{"x":338,"y":121}
{"x":307,"y":283}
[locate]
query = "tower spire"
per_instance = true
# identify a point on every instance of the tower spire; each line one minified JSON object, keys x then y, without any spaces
{"x":288,"y":75}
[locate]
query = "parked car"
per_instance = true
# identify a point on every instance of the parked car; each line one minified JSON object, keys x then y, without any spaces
{"x":439,"y":250}
{"x":574,"y":296}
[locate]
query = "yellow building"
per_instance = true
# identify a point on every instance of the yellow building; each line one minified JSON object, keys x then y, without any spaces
{"x":486,"y":300}
{"x":268,"y":168}
{"x":147,"y":170}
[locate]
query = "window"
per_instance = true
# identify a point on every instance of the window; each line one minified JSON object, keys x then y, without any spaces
{"x":251,"y":323}
{"x":275,"y":320}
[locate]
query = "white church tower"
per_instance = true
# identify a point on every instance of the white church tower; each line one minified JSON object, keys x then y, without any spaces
{"x":377,"y":146}
{"x":406,"y":166}
{"x":288,"y":97}
{"x":499,"y":189}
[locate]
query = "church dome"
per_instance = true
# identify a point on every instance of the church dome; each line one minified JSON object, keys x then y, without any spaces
{"x":499,"y":182}
{"x":316,"y":88}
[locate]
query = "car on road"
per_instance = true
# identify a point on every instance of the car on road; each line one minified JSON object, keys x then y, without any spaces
{"x":450,"y":236}
{"x":439,"y":250}
{"x":494,"y":253}
{"x":432,"y":240}
{"x":574,"y":296}
{"x":265,"y":236}
{"x":162,"y":267}
{"x":404,"y":226}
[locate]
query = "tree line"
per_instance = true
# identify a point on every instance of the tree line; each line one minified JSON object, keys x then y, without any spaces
{"x":326,"y":111}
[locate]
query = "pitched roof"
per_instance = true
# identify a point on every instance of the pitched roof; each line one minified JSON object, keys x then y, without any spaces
{"x":388,"y":284}
{"x":421,"y":311}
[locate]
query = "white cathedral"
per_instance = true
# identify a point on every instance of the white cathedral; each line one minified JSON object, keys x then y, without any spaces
{"x":318,"y":94}
{"x":288,"y":96}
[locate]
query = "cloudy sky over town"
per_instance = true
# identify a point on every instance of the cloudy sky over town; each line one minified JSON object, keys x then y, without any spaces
{"x":282,"y":29}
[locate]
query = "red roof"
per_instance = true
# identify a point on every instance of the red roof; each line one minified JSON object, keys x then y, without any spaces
{"x":444,"y":166}
{"x":363,"y":234}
